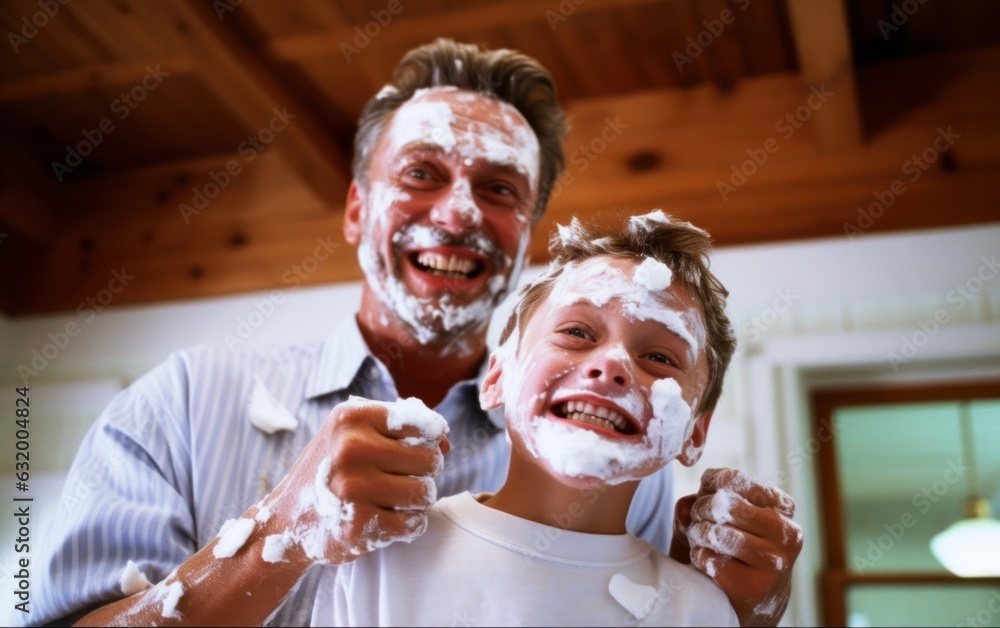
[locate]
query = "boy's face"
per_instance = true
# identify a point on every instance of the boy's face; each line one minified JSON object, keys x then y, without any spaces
{"x":604,"y":380}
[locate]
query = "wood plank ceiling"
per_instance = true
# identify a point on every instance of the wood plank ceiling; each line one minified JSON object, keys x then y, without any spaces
{"x":163,"y":96}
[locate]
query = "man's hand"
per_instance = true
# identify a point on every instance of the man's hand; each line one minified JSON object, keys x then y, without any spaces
{"x":739,"y":531}
{"x":364,"y":481}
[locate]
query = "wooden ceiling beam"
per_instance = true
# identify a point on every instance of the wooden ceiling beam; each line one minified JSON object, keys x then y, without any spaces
{"x":256,"y":98}
{"x":823,"y":42}
{"x":268,"y":224}
{"x":70,"y":82}
{"x":428,"y":27}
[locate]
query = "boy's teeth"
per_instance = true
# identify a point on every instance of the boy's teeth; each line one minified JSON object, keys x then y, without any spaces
{"x":596,"y":415}
{"x":444,"y":264}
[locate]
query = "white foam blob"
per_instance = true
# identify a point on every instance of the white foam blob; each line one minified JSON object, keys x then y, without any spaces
{"x":644,"y":222}
{"x":769,"y":605}
{"x":385,"y":92}
{"x":723,"y":504}
{"x":653,"y":275}
{"x":174,"y":592}
{"x":331,"y":510}
{"x":275,"y":546}
{"x":423,"y":121}
{"x":232,"y":536}
{"x":638,"y":599}
{"x":571,"y":234}
{"x":412,"y":412}
{"x":266,"y":414}
{"x":710,"y":568}
{"x":133,"y":580}
{"x":672,"y":417}
{"x":263,"y":514}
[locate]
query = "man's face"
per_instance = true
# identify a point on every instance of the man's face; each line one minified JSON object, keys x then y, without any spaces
{"x":443,"y":217}
{"x":604,"y":380}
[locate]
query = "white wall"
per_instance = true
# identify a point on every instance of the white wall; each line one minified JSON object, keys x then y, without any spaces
{"x":804,"y":312}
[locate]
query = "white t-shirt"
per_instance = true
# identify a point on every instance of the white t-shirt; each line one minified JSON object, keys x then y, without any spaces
{"x":478,"y":566}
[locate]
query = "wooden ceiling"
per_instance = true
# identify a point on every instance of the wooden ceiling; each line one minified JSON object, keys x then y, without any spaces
{"x":162,"y":96}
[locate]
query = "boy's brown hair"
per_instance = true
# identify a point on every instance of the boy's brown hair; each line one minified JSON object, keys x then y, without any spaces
{"x":680,"y":245}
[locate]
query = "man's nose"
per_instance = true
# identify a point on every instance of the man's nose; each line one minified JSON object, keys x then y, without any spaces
{"x":613,"y":367}
{"x":457,"y":212}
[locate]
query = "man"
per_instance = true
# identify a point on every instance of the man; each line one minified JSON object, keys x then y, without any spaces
{"x":447,"y":183}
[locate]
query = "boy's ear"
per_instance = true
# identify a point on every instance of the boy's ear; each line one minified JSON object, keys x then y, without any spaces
{"x":352,"y":215}
{"x":691,"y":451}
{"x":491,"y":395}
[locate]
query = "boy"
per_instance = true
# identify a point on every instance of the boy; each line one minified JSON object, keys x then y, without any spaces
{"x":608,"y":369}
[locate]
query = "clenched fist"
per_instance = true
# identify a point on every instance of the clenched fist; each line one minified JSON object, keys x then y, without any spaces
{"x":739,"y":531}
{"x":364,"y":481}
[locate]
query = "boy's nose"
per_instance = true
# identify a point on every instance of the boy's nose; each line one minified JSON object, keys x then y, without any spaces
{"x":612,"y":367}
{"x":457,"y":212}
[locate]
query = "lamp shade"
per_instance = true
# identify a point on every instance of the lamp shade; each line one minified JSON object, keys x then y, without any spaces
{"x":970,"y":547}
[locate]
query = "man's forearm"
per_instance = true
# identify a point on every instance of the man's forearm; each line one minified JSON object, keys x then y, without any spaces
{"x":239,"y":590}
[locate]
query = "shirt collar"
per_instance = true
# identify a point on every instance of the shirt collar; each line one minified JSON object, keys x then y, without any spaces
{"x":342,"y":355}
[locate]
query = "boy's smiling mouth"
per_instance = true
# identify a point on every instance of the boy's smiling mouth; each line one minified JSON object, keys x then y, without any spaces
{"x":596,"y":413}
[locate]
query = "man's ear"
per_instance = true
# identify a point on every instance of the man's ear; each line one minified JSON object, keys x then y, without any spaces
{"x":352,"y":214}
{"x":691,"y":451}
{"x":491,"y":395}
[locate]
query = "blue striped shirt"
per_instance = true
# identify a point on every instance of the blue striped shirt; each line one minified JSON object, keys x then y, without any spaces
{"x":175,"y":455}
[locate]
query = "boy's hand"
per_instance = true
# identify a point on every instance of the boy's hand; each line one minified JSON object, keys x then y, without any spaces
{"x":739,"y":531}
{"x":365,"y":480}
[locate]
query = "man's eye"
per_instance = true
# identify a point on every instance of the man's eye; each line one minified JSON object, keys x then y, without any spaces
{"x":502,"y":189}
{"x":418,"y":173}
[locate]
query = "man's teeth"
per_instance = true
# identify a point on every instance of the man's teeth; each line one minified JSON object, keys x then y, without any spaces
{"x":444,"y":265}
{"x":596,"y":415}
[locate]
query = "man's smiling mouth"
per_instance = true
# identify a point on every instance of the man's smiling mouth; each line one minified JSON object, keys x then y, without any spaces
{"x":448,"y":266}
{"x":599,"y":416}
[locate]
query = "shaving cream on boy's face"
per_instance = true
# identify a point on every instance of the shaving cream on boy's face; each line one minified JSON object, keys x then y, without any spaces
{"x":446,"y":210}
{"x":601,"y":387}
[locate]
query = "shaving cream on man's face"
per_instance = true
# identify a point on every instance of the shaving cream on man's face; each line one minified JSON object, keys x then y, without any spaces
{"x":451,"y":185}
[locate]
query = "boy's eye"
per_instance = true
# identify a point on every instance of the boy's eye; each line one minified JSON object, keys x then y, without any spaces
{"x":661,"y":358}
{"x":578,"y":333}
